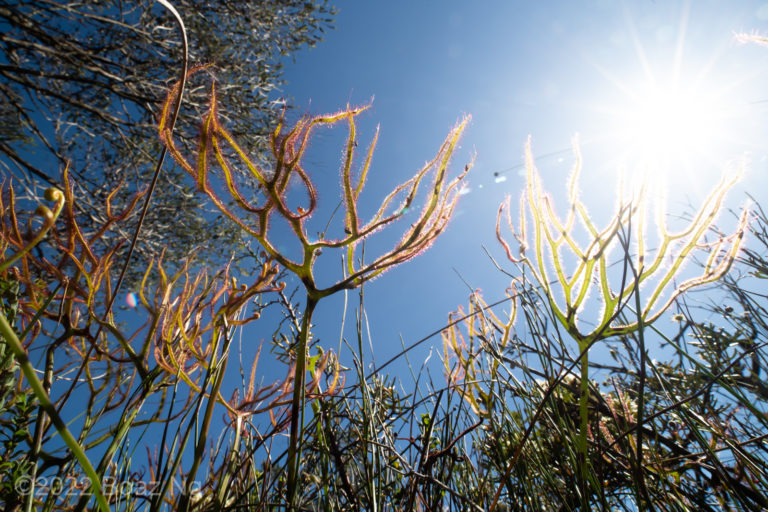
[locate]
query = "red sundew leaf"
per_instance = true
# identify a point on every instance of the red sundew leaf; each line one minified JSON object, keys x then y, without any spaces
{"x":288,"y":146}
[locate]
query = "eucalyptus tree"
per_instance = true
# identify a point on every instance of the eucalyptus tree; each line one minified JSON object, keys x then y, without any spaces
{"x":83,"y":82}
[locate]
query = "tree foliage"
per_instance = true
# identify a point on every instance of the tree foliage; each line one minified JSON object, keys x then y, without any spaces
{"x":83,"y":82}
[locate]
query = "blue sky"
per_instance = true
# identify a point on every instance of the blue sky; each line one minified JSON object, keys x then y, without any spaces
{"x":548,"y":70}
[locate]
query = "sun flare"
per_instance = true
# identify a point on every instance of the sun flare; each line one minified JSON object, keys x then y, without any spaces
{"x":671,"y":131}
{"x":667,"y":123}
{"x":665,"y":133}
{"x":673,"y":111}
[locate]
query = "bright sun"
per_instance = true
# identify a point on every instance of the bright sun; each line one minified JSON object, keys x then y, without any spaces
{"x":668,"y":112}
{"x":667,"y":123}
{"x":672,"y":133}
{"x":660,"y":129}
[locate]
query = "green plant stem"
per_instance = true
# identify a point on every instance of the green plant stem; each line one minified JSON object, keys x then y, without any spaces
{"x":584,"y":415}
{"x":202,"y":438}
{"x":232,"y":464}
{"x":126,"y":422}
{"x":166,"y":480}
{"x":644,"y":501}
{"x":39,"y":427}
{"x":45,"y":403}
{"x":368,"y":464}
{"x":297,"y":403}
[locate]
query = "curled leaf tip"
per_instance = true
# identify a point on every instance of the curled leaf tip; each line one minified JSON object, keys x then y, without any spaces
{"x":44,"y":211}
{"x":53,"y":194}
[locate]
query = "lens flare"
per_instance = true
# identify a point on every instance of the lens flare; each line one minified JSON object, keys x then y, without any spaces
{"x":665,"y":123}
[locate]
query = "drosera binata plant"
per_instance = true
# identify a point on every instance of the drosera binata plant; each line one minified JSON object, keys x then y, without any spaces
{"x":551,"y":245}
{"x":21,"y":246}
{"x":486,"y":331}
{"x":133,"y":374}
{"x":214,"y":170}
